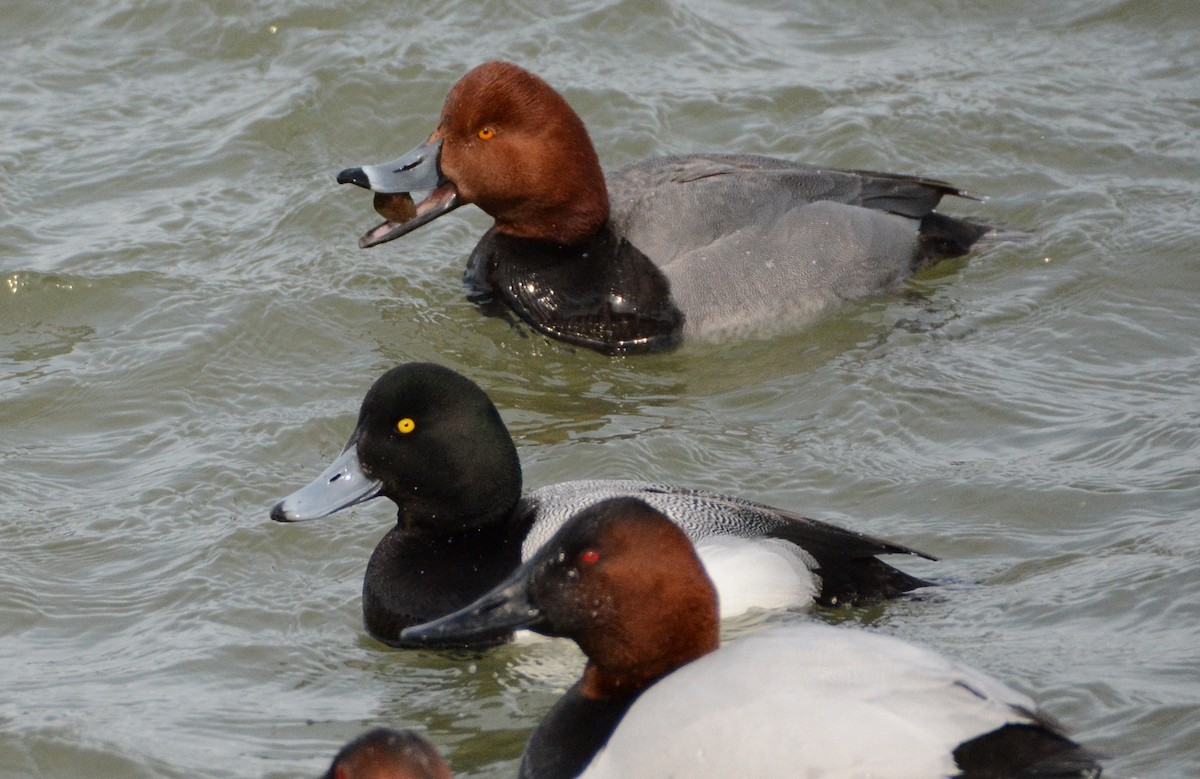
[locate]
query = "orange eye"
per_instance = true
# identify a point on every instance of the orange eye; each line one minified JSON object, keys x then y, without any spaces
{"x":406,"y":426}
{"x":589,"y":557}
{"x":486,"y":133}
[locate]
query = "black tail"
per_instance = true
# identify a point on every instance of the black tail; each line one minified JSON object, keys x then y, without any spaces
{"x":942,"y":237}
{"x":863,"y":581}
{"x":1024,"y":752}
{"x":851,"y":573}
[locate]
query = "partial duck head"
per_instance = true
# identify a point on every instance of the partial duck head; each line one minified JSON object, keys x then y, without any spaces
{"x":384,"y":753}
{"x":507,"y":142}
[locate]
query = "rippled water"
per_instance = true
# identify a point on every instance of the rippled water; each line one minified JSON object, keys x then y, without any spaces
{"x":186,"y":328}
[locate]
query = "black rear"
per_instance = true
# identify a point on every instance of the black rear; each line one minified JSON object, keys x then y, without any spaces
{"x":1024,"y":752}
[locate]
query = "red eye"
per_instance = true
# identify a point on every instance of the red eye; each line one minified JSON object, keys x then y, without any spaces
{"x":589,"y":557}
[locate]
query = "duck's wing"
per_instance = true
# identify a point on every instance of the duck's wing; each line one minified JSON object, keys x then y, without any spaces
{"x":845,"y":561}
{"x":674,"y":182}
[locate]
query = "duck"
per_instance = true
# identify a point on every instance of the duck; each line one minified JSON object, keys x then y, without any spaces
{"x":660,"y":695}
{"x":695,"y":246}
{"x":433,"y":442}
{"x":387,"y":753}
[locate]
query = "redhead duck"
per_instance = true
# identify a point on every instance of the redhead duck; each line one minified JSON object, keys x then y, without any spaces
{"x":383,"y":753}
{"x":659,"y":698}
{"x":431,"y":440}
{"x":695,"y":245}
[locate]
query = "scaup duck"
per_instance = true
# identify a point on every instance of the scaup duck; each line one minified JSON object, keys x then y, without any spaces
{"x":433,"y":442}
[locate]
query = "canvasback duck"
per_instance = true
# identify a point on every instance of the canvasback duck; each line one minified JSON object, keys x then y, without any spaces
{"x":432,"y":441}
{"x":659,"y":698}
{"x":697,"y":245}
{"x":384,"y":753}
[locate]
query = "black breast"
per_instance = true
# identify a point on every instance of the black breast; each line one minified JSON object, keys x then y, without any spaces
{"x":602,"y":293}
{"x":570,"y":735}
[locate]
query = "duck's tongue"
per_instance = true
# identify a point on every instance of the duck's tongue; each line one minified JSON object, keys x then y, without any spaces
{"x":404,"y":216}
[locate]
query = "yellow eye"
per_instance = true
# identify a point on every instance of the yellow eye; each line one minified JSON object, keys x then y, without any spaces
{"x":486,"y":133}
{"x":406,"y":425}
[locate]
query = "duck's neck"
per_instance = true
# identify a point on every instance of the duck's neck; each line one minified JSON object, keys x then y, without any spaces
{"x":565,"y":222}
{"x":615,"y":681}
{"x":414,"y":577}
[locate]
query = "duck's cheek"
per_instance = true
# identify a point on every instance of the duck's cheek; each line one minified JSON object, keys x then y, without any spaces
{"x":486,"y":173}
{"x":460,"y":177}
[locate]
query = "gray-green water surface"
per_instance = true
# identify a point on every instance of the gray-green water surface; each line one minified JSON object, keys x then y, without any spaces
{"x":187,"y":326}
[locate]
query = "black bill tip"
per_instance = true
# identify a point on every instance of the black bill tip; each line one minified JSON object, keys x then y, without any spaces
{"x":355,"y":176}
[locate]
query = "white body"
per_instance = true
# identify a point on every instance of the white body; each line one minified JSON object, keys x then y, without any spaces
{"x":809,"y":701}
